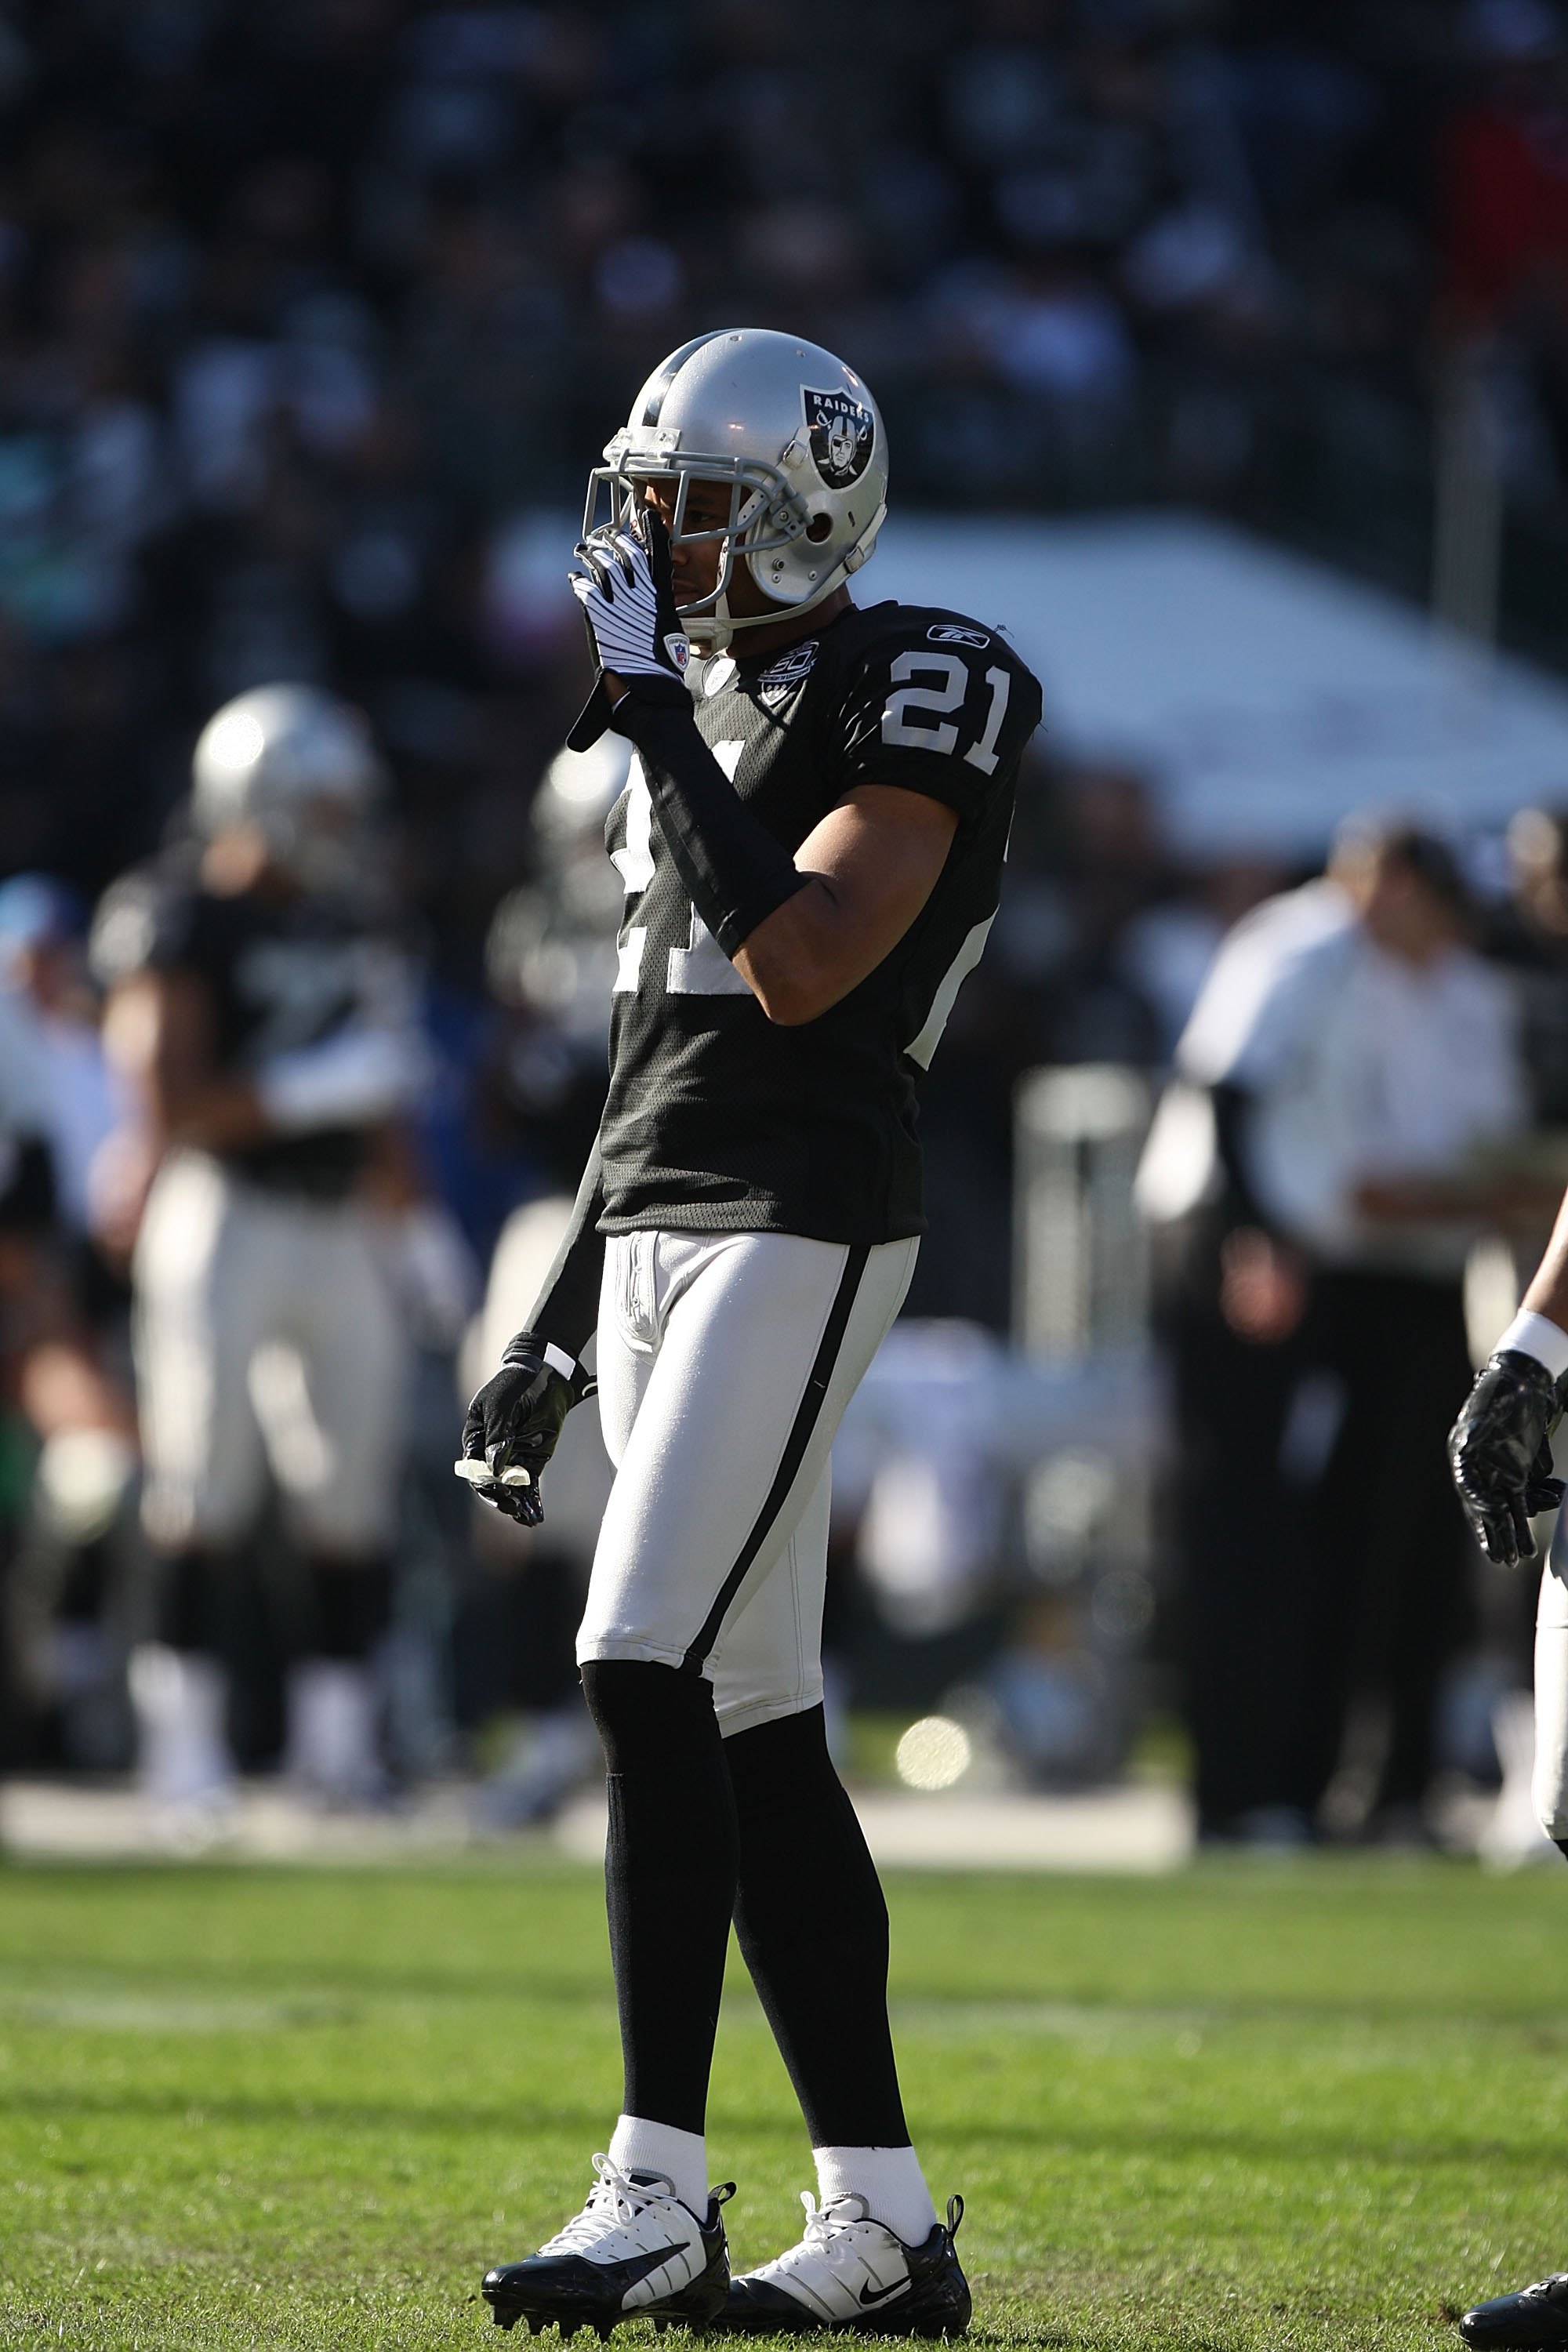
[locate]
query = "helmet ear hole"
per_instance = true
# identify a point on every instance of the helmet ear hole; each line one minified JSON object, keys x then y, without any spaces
{"x":819,"y":528}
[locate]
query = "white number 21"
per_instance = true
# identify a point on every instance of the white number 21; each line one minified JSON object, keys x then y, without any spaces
{"x":949,"y":696}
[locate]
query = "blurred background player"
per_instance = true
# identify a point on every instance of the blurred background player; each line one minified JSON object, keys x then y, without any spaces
{"x":259,"y":1014}
{"x":551,"y":961}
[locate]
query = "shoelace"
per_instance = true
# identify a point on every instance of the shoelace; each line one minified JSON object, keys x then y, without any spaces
{"x":614,"y":2193}
{"x":826,"y":2226}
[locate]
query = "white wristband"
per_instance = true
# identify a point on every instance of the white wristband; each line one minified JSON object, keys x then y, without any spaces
{"x":1537,"y":1336}
{"x":560,"y":1361}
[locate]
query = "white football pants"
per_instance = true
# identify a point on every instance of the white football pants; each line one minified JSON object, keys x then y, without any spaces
{"x":1551,"y":1687}
{"x":265,"y":1332}
{"x":725,"y":1363}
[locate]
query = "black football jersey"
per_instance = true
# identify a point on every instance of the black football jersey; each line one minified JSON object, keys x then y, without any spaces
{"x":718,"y":1119}
{"x":283,"y":975}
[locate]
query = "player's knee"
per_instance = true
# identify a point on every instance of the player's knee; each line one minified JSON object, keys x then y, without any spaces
{"x":643,"y":1711}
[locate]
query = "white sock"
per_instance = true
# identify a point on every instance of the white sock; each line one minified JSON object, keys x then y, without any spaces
{"x":331,"y":1744}
{"x":638,"y":2146}
{"x":889,"y":2178}
{"x":180,"y":1699}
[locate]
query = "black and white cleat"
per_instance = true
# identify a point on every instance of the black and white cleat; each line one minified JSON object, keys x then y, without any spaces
{"x":635,"y":2252}
{"x":851,"y":2275}
{"x":1533,"y":2319}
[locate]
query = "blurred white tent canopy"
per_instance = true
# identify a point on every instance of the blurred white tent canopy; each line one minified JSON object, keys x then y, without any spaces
{"x":1266,"y":696}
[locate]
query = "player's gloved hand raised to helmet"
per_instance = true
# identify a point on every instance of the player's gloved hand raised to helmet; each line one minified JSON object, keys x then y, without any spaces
{"x":1500,"y":1457}
{"x":514,"y":1422}
{"x":624,"y":584}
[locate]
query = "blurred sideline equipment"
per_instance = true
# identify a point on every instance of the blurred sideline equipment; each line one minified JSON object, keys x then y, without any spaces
{"x":743,"y":1237}
{"x":261,"y":1011}
{"x":1081,"y":1252}
{"x":1080,"y":1314}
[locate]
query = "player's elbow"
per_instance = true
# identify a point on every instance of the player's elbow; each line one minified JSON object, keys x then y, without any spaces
{"x":788,"y":1004}
{"x":791,"y":988}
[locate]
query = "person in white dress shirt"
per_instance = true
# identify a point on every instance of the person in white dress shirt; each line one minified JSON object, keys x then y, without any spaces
{"x":1351,"y":1054}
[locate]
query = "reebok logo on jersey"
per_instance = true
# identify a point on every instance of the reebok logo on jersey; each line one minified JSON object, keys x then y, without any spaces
{"x":947,"y":632}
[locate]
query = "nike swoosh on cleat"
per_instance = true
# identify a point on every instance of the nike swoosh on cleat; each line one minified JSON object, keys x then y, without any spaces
{"x":636,"y":2267}
{"x":881,"y":2294}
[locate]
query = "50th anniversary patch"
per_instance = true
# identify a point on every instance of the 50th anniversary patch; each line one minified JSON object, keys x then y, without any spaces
{"x":840,"y":432}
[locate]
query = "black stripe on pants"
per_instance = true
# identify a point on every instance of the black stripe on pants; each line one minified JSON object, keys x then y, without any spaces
{"x":807,"y":1415}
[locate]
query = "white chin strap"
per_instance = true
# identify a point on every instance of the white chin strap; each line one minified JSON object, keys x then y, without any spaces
{"x":715,"y":629}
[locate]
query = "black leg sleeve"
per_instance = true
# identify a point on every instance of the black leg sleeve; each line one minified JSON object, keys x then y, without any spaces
{"x":352,"y":1607}
{"x":193,"y":1591}
{"x":812,"y":1926}
{"x":669,"y":1879}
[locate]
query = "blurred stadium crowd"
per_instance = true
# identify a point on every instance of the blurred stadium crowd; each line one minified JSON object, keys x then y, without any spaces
{"x":305,"y":309}
{"x":312,"y":318}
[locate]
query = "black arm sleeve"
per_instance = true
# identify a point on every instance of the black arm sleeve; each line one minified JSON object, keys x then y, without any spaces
{"x":567,"y":1309}
{"x":1230,"y":1108}
{"x":733,"y":870}
{"x":26,"y":1188}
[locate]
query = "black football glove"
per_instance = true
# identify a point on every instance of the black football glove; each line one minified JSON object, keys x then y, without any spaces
{"x":514,"y":1422}
{"x":623,"y":585}
{"x":1500,"y":1457}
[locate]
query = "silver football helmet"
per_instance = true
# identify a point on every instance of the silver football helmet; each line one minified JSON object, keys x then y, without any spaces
{"x":297,"y":764}
{"x":797,"y":438}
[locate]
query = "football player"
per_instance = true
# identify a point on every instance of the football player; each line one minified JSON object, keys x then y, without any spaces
{"x":261,"y":1014}
{"x":810,"y":848}
{"x":1500,"y":1453}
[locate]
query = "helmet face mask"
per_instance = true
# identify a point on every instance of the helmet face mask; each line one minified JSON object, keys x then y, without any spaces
{"x":764,"y":515}
{"x":805,"y":470}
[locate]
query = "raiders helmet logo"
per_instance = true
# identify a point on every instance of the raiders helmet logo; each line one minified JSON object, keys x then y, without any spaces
{"x":840,"y":432}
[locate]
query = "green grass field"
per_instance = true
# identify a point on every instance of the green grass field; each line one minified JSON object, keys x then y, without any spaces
{"x":1250,"y":2106}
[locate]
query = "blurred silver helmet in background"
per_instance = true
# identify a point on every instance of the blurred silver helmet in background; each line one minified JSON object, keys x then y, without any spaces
{"x":298,"y":765}
{"x":798,"y":439}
